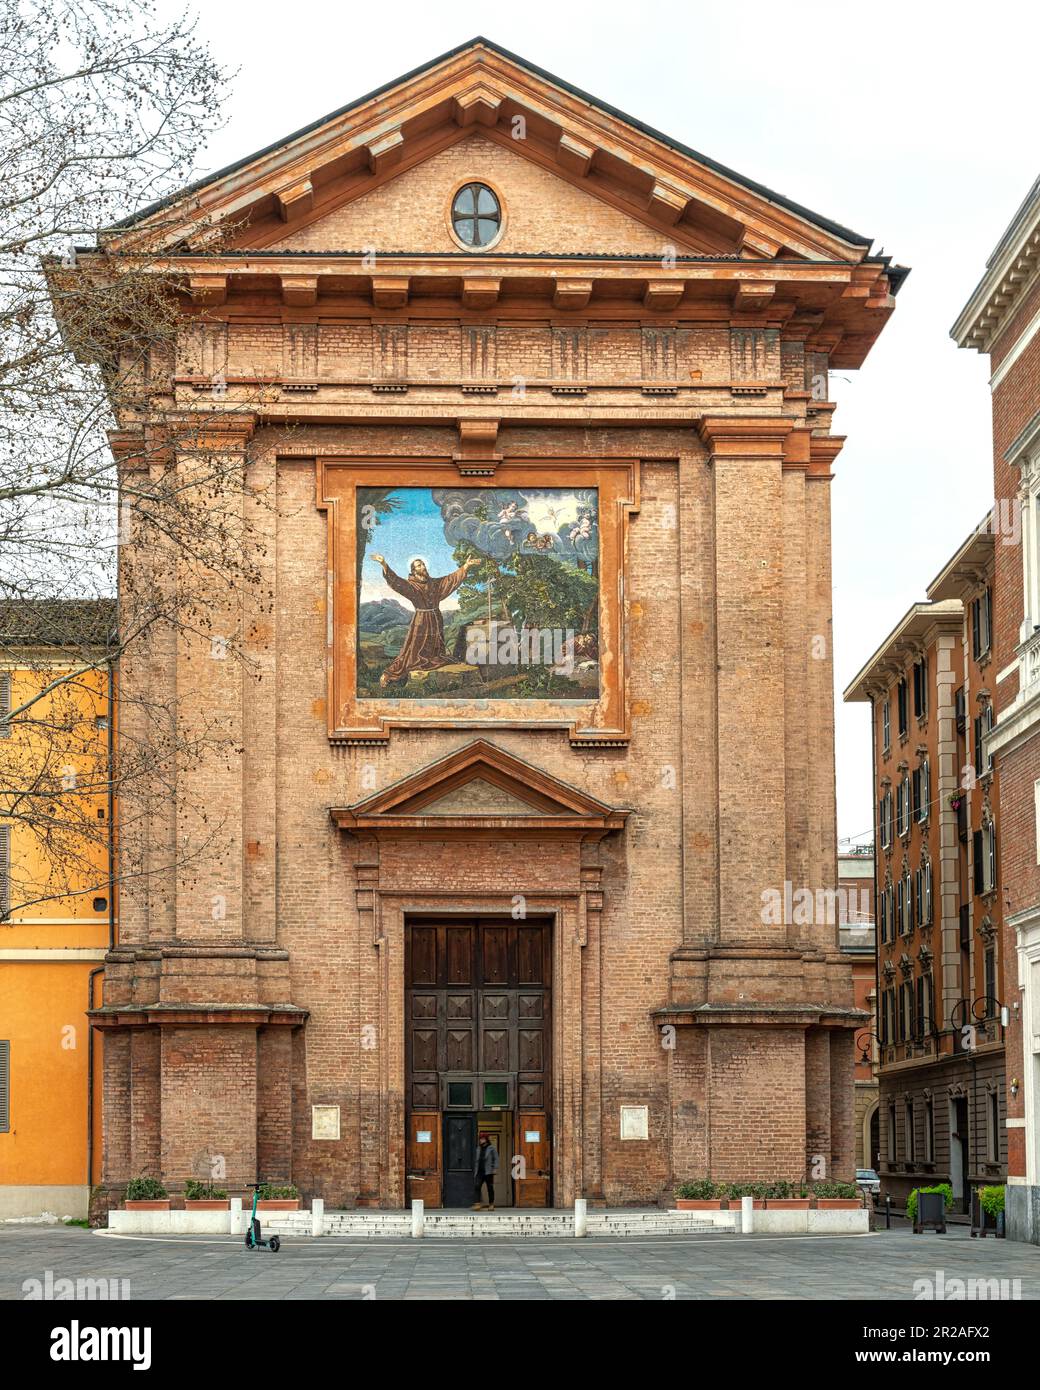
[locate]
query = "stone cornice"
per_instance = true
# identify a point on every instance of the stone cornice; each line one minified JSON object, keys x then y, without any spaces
{"x":217,"y":1015}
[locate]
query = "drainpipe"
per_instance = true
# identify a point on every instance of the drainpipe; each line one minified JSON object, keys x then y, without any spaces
{"x":98,"y":970}
{"x":875,"y":830}
{"x":111,"y":805}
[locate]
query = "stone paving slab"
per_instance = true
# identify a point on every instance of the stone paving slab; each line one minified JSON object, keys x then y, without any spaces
{"x":881,"y":1266}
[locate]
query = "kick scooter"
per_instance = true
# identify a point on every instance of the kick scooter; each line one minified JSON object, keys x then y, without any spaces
{"x":253,"y":1240}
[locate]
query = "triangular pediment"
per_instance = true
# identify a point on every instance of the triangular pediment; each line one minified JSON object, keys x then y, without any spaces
{"x":327,"y":180}
{"x":481,"y":787}
{"x":544,"y":213}
{"x":479,"y":797}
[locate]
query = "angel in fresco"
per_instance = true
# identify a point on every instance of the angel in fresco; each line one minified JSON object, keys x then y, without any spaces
{"x":423,"y":648}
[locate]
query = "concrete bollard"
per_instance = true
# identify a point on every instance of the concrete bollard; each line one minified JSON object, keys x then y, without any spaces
{"x":747,"y":1215}
{"x":581,"y":1216}
{"x":235,"y":1226}
{"x":418,"y":1217}
{"x":317,"y":1216}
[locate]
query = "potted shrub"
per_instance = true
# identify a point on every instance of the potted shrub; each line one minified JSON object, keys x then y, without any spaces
{"x":703,"y":1195}
{"x":911,"y":1201}
{"x":991,"y":1200}
{"x":278,"y":1197}
{"x":203,"y":1196}
{"x":837,"y":1196}
{"x":736,"y":1190}
{"x":787,"y":1196}
{"x":146,"y":1194}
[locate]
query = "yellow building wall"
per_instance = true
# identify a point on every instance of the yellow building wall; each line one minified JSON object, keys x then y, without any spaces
{"x":44,"y":1002}
{"x":43,"y":1015}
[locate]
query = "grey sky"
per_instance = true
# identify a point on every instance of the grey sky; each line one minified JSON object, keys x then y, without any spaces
{"x":916,"y":124}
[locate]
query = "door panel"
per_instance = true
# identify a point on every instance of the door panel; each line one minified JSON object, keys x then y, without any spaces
{"x":458,"y":1054}
{"x":460,"y":1143}
{"x":424,"y":1157}
{"x":532,"y":1146}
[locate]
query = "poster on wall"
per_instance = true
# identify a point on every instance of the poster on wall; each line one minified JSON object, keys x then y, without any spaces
{"x":478,"y":593}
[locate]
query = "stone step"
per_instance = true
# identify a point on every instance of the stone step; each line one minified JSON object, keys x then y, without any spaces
{"x":376,"y":1225}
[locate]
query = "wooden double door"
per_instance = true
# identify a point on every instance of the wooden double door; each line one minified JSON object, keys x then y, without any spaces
{"x":478,"y":1056}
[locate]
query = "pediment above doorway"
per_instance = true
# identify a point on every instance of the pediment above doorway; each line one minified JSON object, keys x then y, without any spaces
{"x":480,"y":790}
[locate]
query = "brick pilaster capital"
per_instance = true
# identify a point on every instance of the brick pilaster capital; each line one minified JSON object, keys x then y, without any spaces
{"x":745,"y":436}
{"x":216,"y":432}
{"x":823,"y":450}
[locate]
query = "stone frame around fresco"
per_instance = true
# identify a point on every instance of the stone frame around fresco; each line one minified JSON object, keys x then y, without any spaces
{"x":354,"y":720}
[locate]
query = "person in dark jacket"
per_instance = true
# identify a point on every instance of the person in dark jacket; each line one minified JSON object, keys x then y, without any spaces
{"x":484,"y":1170}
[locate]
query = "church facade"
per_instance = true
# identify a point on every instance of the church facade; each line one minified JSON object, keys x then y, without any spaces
{"x":530,"y":748}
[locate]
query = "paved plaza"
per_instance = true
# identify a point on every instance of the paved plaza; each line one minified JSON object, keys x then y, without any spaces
{"x":880,"y":1266}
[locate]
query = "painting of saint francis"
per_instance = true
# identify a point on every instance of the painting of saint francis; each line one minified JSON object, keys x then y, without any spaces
{"x":478,"y":593}
{"x":423,"y":648}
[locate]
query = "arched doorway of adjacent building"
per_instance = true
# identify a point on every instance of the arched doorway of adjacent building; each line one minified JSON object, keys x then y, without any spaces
{"x":872,"y":1138}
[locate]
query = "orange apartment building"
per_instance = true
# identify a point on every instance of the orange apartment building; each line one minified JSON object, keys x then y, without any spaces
{"x":1002,"y":320}
{"x":940,"y":1032}
{"x":57,"y":919}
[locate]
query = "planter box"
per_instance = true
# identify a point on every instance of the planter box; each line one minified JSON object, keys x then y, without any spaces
{"x":208,"y":1204}
{"x":787,"y":1203}
{"x":148,"y":1206}
{"x":278,"y":1204}
{"x":699,"y":1204}
{"x":838,"y":1204}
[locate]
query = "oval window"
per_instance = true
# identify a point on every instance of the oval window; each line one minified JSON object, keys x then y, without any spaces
{"x":476,"y":215}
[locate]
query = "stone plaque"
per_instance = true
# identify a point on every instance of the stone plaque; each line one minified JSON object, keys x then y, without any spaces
{"x":635,"y":1122}
{"x":324,"y":1121}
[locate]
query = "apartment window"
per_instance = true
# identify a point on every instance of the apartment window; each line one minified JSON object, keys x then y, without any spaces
{"x":885,"y":819}
{"x":919,"y":1014}
{"x":991,"y":854}
{"x":928,"y":1004}
{"x":883,"y":915}
{"x":903,"y":806}
{"x":5,"y":704}
{"x":984,"y":848}
{"x":901,"y":706}
{"x":989,"y":968}
{"x":981,"y":623}
{"x":977,"y":727}
{"x":888,"y":1016}
{"x":908,"y":1128}
{"x":923,"y":895}
{"x":921,"y":790}
{"x":886,"y":725}
{"x":960,"y":708}
{"x":5,"y":1086}
{"x":921,"y":687}
{"x":908,"y":902}
{"x":982,"y":725}
{"x":929,"y":1130}
{"x":993,"y":1126}
{"x":906,"y":1012}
